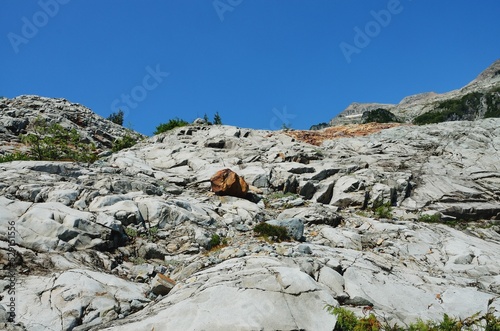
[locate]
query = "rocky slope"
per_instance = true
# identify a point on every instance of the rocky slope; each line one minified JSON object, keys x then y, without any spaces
{"x":18,"y":115}
{"x":486,"y":86}
{"x":130,"y":241}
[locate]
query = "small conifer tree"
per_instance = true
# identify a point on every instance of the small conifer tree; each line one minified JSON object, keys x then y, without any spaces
{"x":217,"y":119}
{"x":117,"y":118}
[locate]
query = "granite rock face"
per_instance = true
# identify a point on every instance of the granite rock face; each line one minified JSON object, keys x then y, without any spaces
{"x":137,"y":240}
{"x":241,"y":294}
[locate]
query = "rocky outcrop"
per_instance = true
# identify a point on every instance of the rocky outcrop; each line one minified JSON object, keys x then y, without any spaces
{"x":450,"y":168}
{"x":485,"y":88}
{"x":136,"y":240}
{"x":355,"y":111}
{"x":241,"y":294}
{"x":18,"y":115}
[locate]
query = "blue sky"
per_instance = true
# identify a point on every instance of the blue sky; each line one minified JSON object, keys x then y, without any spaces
{"x":259,"y":63}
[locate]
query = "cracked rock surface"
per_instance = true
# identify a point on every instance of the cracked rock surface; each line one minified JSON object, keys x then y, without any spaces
{"x":93,"y":243}
{"x":251,"y":292}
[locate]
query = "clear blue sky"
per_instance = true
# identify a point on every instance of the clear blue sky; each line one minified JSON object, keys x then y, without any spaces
{"x":258,"y":63}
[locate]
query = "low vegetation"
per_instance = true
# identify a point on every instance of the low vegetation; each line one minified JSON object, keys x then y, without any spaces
{"x":271,"y":232}
{"x":464,"y":108}
{"x":493,"y":103}
{"x":53,"y":142}
{"x":379,"y":115}
{"x":281,"y":195}
{"x":383,"y":211}
{"x":131,"y":232}
{"x":348,"y":321}
{"x":122,"y":143}
{"x":460,"y":223}
{"x":171,"y":124}
{"x":214,"y":241}
{"x":16,"y":156}
{"x":436,"y":218}
{"x":452,"y":110}
{"x":117,"y":117}
{"x":150,"y":235}
{"x":217,"y":242}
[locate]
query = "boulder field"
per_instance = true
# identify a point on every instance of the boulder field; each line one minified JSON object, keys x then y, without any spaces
{"x":138,"y":240}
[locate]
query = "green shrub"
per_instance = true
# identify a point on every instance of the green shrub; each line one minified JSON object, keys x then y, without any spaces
{"x":493,"y":103}
{"x":131,"y":232}
{"x":430,"y":117}
{"x":436,"y":218}
{"x":348,"y":321}
{"x":214,"y":241}
{"x":153,"y":231}
{"x":217,"y":242}
{"x":151,"y":234}
{"x":53,"y":142}
{"x":116,"y":118}
{"x":369,"y":323}
{"x":271,"y":232}
{"x":379,"y":115}
{"x":452,"y":110}
{"x":384,"y":211}
{"x":280,"y":195}
{"x":362,"y":213}
{"x":122,"y":143}
{"x":16,"y":156}
{"x":171,"y":124}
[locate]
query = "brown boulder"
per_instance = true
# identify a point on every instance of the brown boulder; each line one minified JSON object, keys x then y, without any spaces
{"x":227,"y":182}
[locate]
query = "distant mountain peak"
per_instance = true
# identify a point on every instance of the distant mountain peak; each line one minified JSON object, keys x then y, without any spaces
{"x":492,"y":73}
{"x":485,"y":86}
